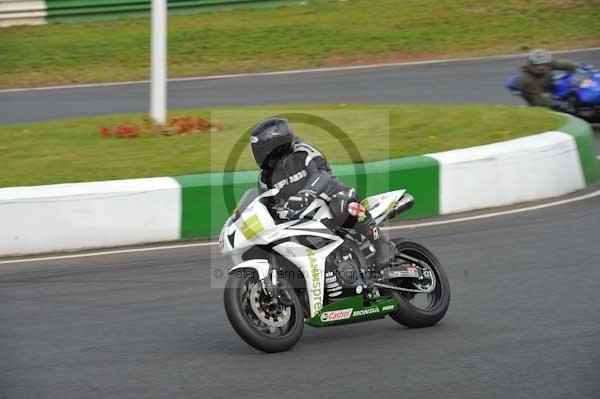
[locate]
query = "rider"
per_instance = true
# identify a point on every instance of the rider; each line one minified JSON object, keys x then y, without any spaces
{"x":302,"y":174}
{"x":536,"y":78}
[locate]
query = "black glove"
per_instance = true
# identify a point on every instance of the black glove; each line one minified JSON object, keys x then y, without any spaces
{"x":301,"y":200}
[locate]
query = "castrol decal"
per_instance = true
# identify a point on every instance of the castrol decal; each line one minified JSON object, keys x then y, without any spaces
{"x":336,"y":315}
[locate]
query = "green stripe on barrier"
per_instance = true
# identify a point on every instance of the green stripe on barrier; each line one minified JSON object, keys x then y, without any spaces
{"x":204,"y":205}
{"x":586,"y":145}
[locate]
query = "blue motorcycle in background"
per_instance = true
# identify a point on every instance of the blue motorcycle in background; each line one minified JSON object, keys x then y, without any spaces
{"x":578,"y":93}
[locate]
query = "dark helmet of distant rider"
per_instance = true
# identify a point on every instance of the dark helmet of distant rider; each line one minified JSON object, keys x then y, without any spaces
{"x":539,"y":62}
{"x":271,"y":139}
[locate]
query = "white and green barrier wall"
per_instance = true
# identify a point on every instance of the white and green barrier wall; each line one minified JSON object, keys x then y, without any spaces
{"x":125,"y":212}
{"x":37,"y":12}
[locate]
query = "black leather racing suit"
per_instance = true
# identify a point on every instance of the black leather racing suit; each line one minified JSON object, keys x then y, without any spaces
{"x":305,"y":168}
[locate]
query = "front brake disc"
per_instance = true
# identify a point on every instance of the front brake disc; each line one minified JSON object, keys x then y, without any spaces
{"x":275,"y":319}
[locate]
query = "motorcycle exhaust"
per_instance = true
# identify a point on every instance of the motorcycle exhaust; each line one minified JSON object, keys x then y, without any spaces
{"x":406,"y":202}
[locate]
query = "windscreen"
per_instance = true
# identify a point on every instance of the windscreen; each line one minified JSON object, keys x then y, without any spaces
{"x":247,"y":199}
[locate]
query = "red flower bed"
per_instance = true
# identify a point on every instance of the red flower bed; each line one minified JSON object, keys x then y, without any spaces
{"x":176,"y":125}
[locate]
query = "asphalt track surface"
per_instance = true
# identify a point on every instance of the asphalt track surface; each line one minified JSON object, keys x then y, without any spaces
{"x":524,"y":320}
{"x":523,"y":323}
{"x":476,"y":81}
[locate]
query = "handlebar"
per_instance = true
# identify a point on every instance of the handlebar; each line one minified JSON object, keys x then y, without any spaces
{"x":286,"y":213}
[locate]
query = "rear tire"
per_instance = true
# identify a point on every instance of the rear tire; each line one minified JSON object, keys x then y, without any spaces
{"x":249,"y":327}
{"x":410,"y":315}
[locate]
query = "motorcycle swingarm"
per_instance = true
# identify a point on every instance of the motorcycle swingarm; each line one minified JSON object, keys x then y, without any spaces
{"x":409,"y":272}
{"x":395,"y":288}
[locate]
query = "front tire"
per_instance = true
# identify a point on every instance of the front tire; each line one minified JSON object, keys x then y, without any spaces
{"x":414,"y":316}
{"x":265,"y":327}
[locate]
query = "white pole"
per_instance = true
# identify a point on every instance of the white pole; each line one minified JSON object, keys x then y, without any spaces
{"x":158,"y":100}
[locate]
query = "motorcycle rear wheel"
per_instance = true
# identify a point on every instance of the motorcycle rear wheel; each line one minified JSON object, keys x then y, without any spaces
{"x":266,"y":327}
{"x":409,"y":313}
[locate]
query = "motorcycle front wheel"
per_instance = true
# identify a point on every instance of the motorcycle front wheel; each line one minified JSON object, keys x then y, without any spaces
{"x":265,"y":323}
{"x":417,"y":310}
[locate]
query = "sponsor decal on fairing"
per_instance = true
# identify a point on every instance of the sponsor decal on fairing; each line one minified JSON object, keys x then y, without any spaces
{"x":316,"y":280}
{"x":365,"y":312}
{"x":336,"y":315}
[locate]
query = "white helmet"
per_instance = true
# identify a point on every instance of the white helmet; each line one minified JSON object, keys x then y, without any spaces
{"x":540,"y":56}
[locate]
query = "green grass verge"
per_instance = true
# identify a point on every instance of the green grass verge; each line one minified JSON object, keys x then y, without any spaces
{"x":74,"y":151}
{"x":313,"y":35}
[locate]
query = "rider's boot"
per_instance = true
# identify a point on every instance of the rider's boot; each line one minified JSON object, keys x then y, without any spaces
{"x":385,"y":250}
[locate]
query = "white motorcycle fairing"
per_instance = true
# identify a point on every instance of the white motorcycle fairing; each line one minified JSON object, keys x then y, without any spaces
{"x":261,"y":266}
{"x":254,"y":226}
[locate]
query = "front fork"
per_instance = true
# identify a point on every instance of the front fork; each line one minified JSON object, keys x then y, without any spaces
{"x":271,"y":287}
{"x":269,"y":283}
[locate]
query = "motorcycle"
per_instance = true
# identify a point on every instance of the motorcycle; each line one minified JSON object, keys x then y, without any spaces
{"x":295,"y":268}
{"x":577,"y":92}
